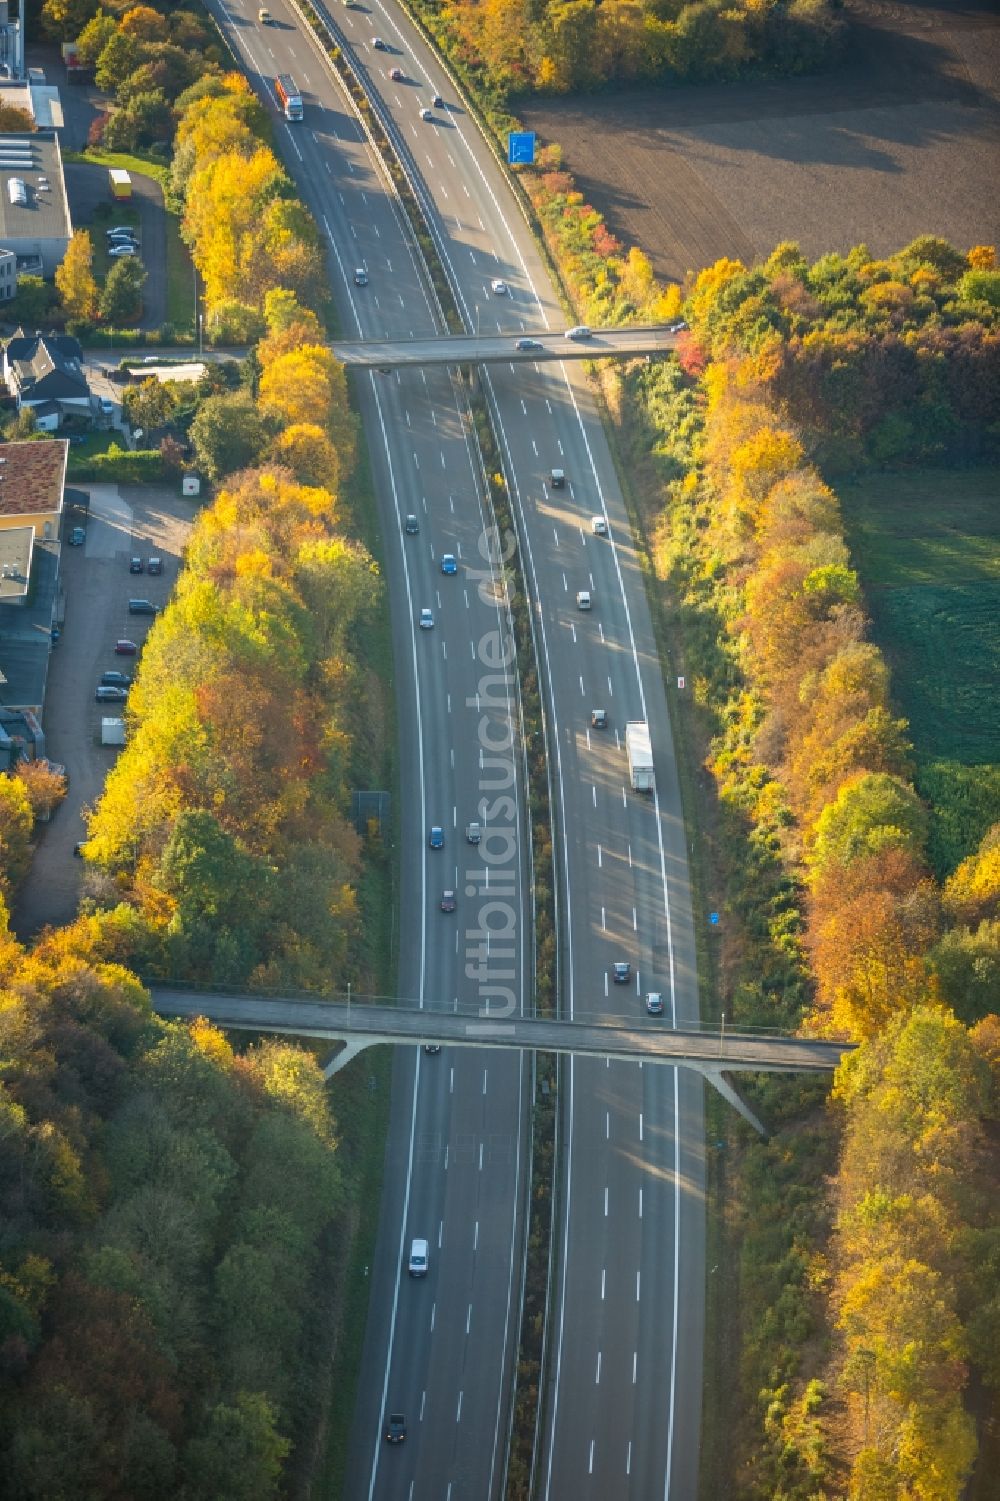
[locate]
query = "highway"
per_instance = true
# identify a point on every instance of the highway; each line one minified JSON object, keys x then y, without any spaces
{"x":440,"y":1348}
{"x":623,"y":1398}
{"x":489,"y":349}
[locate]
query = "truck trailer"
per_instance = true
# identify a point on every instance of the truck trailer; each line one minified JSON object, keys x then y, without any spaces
{"x":640,"y":755}
{"x":288,"y":96}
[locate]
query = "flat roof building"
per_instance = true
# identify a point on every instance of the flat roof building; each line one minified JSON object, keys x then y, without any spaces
{"x":34,"y":211}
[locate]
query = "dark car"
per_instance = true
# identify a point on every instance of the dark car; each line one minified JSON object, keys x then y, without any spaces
{"x":78,"y":848}
{"x":115,"y":679}
{"x":412,"y":525}
{"x":395,"y":1429}
{"x":437,"y":102}
{"x":396,"y":74}
{"x":107,"y":693}
{"x":654,"y":1003}
{"x":447,"y":901}
{"x":557,"y":479}
{"x":141,"y":607}
{"x":599,"y":719}
{"x":622,"y":972}
{"x":361,"y":277}
{"x":525,"y":344}
{"x":125,"y":648}
{"x":135,"y":565}
{"x":432,"y":1048}
{"x":77,"y":537}
{"x":154,"y":566}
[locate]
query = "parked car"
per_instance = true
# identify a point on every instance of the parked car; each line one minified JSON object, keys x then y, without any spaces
{"x":361,"y":277}
{"x":141,"y":607}
{"x":123,"y":247}
{"x":115,"y":679}
{"x":135,"y":565}
{"x":124,"y":648}
{"x":121,"y":229}
{"x":621,"y":972}
{"x":107,"y":406}
{"x":106,"y":693}
{"x":154,"y":566}
{"x":448,"y":564}
{"x":426,"y":620}
{"x":447,"y":901}
{"x":78,"y":848}
{"x":77,"y":537}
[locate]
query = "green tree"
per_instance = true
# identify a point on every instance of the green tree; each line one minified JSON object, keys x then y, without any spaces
{"x":34,"y":301}
{"x":149,"y":405}
{"x":120,"y":56}
{"x":120,"y":302}
{"x":228,"y":434}
{"x":94,"y":37}
{"x":870,"y":813}
{"x":65,"y":19}
{"x":239,"y":1455}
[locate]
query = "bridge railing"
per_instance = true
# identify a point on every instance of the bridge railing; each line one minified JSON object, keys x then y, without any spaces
{"x":630,"y":1015}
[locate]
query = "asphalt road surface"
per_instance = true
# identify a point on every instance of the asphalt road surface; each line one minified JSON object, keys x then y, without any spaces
{"x":626,"y":1354}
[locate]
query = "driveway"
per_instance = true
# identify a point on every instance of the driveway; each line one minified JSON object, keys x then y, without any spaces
{"x":97,"y":585}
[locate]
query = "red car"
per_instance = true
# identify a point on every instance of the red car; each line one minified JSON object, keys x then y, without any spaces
{"x":125,"y":648}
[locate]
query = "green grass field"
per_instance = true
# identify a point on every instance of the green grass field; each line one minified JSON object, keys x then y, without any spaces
{"x":927,"y":547}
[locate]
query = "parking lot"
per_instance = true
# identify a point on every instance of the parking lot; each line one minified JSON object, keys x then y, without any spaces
{"x":121,"y":522}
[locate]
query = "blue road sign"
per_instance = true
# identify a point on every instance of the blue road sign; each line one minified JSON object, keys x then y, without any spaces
{"x":520,"y":148}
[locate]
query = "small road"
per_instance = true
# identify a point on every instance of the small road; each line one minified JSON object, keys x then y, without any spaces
{"x":474,"y":349}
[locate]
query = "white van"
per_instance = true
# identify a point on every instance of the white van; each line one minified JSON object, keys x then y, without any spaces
{"x":417,"y":1266}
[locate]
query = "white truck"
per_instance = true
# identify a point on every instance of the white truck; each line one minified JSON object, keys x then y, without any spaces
{"x":640,"y":755}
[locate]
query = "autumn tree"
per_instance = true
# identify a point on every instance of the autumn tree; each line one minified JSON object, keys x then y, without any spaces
{"x":75,"y":280}
{"x":16,"y":823}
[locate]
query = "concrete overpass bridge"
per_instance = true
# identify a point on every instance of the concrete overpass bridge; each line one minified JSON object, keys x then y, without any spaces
{"x":362,"y":1025}
{"x":485,"y":349}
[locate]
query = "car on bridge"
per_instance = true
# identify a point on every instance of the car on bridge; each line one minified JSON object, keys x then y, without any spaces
{"x":524,"y":345}
{"x":581,"y":331}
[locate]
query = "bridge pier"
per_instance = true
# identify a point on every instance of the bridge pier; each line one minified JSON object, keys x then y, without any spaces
{"x":352,"y":1047}
{"x":717,"y":1079}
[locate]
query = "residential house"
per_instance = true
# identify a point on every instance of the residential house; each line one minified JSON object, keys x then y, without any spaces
{"x":44,"y":372}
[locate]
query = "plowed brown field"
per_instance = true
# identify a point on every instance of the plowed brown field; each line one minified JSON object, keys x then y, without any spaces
{"x":901,"y":139}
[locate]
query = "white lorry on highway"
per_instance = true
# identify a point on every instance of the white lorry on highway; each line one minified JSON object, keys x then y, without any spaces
{"x":640,"y":755}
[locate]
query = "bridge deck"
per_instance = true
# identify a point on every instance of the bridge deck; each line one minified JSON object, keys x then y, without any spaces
{"x":367,"y":1024}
